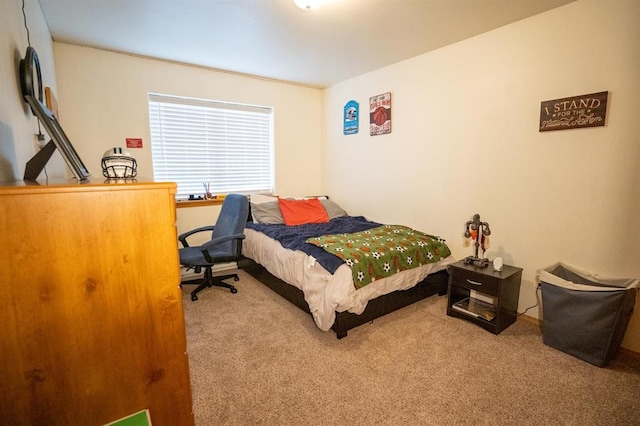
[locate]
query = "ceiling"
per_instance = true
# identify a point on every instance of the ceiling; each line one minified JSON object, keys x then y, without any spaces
{"x":276,"y":40}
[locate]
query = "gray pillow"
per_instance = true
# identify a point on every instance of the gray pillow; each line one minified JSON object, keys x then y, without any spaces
{"x":268,"y":213}
{"x":333,"y":210}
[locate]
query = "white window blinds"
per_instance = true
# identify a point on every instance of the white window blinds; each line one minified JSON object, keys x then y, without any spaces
{"x":197,"y":142}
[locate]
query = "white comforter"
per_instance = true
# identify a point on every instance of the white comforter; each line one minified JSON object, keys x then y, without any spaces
{"x":326,"y":293}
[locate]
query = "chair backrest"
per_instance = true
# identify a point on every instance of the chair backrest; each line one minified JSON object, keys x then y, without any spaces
{"x":232,"y":220}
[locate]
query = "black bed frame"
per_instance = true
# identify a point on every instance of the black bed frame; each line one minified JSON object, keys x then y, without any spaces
{"x":435,"y":283}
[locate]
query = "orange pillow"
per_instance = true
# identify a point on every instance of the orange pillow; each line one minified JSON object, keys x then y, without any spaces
{"x":299,"y":212}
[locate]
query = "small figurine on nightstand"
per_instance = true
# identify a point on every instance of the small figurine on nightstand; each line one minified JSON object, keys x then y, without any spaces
{"x":479,"y":232}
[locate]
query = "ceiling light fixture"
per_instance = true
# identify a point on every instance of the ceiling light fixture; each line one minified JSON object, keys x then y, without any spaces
{"x":307,"y":4}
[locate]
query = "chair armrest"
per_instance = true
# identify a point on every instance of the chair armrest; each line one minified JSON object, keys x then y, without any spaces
{"x":217,"y":241}
{"x":214,"y":242}
{"x":183,"y":237}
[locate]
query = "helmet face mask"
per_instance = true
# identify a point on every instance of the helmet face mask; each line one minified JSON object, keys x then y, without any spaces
{"x":117,"y":163}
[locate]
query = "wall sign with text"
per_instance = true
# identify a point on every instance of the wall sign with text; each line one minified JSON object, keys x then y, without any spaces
{"x":380,"y":114}
{"x":350,"y":116}
{"x":134,"y":142}
{"x":574,"y":113}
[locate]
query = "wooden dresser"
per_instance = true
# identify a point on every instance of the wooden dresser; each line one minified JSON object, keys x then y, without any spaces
{"x":92,"y":323}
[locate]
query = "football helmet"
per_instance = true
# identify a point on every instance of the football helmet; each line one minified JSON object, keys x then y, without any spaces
{"x":117,"y":163}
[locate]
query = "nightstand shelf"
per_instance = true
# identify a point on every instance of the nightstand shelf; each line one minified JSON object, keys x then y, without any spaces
{"x":483,"y":296}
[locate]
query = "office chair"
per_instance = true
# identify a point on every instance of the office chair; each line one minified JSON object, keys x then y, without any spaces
{"x":225,"y":245}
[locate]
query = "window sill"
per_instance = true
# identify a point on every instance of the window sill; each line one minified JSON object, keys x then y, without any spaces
{"x":197,"y":203}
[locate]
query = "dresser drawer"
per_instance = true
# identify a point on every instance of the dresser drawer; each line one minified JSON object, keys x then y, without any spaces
{"x":475,"y":281}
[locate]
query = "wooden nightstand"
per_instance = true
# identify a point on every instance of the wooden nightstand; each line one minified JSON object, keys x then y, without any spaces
{"x":483,"y":296}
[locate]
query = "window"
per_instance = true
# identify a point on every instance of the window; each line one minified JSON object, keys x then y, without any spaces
{"x":196,"y":142}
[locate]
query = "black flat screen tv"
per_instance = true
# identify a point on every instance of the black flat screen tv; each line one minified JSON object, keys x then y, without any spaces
{"x":58,"y":140}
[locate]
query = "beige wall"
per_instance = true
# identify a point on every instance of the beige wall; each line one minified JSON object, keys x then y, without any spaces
{"x":103,"y":95}
{"x":465,"y":140}
{"x":103,"y":100}
{"x":18,"y":126}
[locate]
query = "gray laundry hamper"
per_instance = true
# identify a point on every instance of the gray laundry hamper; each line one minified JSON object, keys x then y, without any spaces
{"x":585,"y":315}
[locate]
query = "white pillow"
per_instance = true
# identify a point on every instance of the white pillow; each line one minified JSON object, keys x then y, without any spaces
{"x":261,"y":198}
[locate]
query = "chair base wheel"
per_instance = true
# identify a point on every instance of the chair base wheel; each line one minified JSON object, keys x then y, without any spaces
{"x":211,"y":281}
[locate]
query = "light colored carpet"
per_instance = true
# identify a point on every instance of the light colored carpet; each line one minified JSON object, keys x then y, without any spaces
{"x":255,"y":359}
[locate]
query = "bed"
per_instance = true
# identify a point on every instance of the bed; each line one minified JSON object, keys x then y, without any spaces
{"x":305,"y":263}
